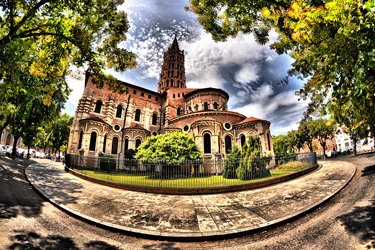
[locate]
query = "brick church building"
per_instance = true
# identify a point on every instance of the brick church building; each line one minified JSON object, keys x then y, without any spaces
{"x":110,"y":123}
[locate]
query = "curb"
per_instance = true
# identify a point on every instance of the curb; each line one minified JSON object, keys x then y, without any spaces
{"x":194,"y":236}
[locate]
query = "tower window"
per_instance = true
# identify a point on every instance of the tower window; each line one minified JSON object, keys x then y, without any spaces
{"x":205,"y":105}
{"x":137,"y":116}
{"x":98,"y":106}
{"x":119,"y":111}
{"x":154,"y":119}
{"x":178,"y":111}
{"x":216,"y":106}
{"x":142,"y":94}
{"x":196,"y":107}
{"x":134,"y":92}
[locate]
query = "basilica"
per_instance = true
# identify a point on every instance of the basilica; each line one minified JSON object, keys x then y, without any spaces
{"x":111,"y":123}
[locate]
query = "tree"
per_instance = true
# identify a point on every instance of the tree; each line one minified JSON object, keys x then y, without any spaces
{"x":281,"y":145}
{"x":232,"y":162}
{"x":65,"y":33}
{"x":331,"y":43}
{"x":251,"y":165}
{"x":60,"y":129}
{"x":171,"y":147}
{"x":323,"y":130}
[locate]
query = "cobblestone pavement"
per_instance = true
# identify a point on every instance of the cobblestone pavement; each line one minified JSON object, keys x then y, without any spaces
{"x":189,"y":216}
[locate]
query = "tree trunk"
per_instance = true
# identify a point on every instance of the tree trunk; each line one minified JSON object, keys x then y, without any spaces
{"x":28,"y":152}
{"x":355,"y":146}
{"x":14,"y":149}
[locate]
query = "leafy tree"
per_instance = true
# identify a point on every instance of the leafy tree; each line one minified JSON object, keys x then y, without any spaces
{"x":280,"y":144}
{"x":171,"y":147}
{"x":60,"y":129}
{"x":251,"y":165}
{"x":65,"y":33}
{"x":232,"y":162}
{"x":331,"y":43}
{"x":323,"y":130}
{"x":305,"y":135}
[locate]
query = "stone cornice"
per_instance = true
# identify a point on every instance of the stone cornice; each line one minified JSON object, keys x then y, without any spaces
{"x":206,"y":113}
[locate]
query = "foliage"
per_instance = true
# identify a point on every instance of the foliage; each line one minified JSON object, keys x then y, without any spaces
{"x":107,"y":163}
{"x":171,"y":147}
{"x":331,"y":43}
{"x":65,"y":33}
{"x":251,"y":163}
{"x":232,"y":162}
{"x":130,"y":153}
{"x":323,"y":130}
{"x":293,"y":165}
{"x":60,"y":129}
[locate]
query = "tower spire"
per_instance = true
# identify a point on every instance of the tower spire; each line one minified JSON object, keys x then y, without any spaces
{"x":172,"y":73}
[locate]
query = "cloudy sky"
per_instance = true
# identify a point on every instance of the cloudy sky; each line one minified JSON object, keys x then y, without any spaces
{"x":254,"y":76}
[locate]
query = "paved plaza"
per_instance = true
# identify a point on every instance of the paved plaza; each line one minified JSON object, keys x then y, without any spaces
{"x":192,"y":216}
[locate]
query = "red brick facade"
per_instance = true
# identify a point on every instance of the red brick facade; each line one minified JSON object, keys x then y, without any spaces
{"x":110,"y":122}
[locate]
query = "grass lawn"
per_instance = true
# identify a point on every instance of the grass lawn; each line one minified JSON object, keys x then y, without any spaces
{"x":192,"y":182}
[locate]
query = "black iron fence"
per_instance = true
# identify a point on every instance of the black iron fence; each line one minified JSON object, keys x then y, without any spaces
{"x":191,"y":173}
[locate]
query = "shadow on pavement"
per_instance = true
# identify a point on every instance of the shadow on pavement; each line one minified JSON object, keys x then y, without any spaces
{"x":361,"y":223}
{"x":162,"y":245}
{"x":369,"y":170}
{"x":17,"y":195}
{"x":24,"y":240}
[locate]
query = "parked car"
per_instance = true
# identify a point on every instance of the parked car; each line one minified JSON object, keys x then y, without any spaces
{"x":48,"y":155}
{"x":9,"y":151}
{"x":3,"y":150}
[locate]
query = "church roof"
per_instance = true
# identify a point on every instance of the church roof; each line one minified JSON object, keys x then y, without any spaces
{"x":94,"y":118}
{"x":175,"y":44}
{"x":251,"y":119}
{"x":207,"y":89}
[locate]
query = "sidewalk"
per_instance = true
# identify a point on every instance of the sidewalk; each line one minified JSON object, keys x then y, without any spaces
{"x":188,"y":217}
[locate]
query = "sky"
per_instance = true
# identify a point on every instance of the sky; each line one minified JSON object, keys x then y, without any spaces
{"x":254,"y":76}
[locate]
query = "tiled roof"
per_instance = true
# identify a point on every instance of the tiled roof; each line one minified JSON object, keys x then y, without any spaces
{"x":249,"y":119}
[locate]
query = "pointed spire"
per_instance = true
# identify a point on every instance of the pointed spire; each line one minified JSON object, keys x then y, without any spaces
{"x":175,"y":43}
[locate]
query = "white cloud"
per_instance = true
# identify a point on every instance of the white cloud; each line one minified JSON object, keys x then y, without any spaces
{"x":248,"y":73}
{"x":77,"y":86}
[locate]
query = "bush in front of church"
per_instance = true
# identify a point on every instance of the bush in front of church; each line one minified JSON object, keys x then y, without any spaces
{"x":177,"y":147}
{"x":232,"y":162}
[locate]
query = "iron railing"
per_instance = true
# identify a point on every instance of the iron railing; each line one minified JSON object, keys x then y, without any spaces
{"x":190,"y":173}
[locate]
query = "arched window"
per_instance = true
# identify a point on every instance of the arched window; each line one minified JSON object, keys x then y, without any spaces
{"x":98,"y":106}
{"x":178,"y":111}
{"x":104,"y":143}
{"x":167,"y":83}
{"x":119,"y":111}
{"x":154,"y":118}
{"x":137,"y":143}
{"x":92,"y":141}
{"x":196,"y":107}
{"x":9,"y":138}
{"x":216,"y":106}
{"x":207,"y":143}
{"x":172,"y":82}
{"x":114,"y":145}
{"x":137,"y":116}
{"x":126,"y":144}
{"x":205,"y":106}
{"x":269,"y":141}
{"x":80,"y":140}
{"x":243,"y":140}
{"x":228,"y":144}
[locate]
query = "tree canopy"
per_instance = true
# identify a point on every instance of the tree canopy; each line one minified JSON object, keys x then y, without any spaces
{"x":171,"y":147}
{"x":65,"y":33}
{"x":331,"y":43}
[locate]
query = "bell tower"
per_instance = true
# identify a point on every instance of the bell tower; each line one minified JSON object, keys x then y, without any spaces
{"x":173,"y":70}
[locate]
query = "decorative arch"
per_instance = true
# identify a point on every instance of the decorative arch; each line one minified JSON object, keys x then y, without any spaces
{"x":98,"y":106}
{"x":9,"y":138}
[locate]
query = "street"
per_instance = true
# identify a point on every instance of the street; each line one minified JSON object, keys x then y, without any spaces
{"x":29,"y":222}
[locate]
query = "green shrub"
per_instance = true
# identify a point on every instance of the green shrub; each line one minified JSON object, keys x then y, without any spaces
{"x":107,"y":163}
{"x":232,"y":163}
{"x":251,"y":165}
{"x":129,"y":154}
